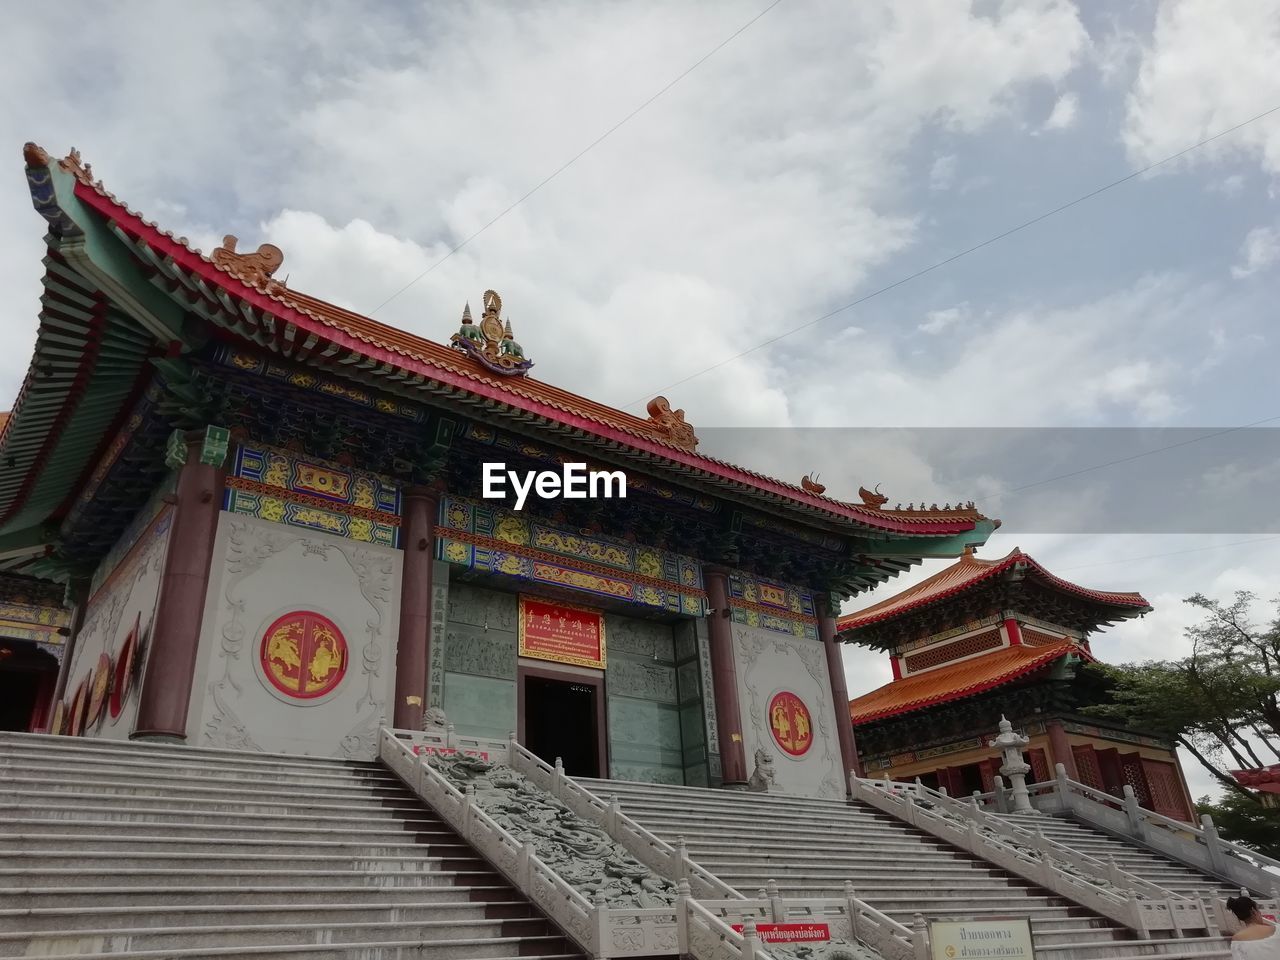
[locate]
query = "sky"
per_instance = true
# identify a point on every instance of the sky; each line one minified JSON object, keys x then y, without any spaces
{"x":822,"y":153}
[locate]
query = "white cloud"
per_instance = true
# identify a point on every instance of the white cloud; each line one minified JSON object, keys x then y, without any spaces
{"x":943,"y":172}
{"x":1203,"y":71}
{"x":1260,"y":250}
{"x":1064,"y":112}
{"x":938,"y":320}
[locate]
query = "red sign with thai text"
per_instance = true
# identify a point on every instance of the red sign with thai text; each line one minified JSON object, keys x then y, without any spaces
{"x":561,"y":632}
{"x":790,"y":932}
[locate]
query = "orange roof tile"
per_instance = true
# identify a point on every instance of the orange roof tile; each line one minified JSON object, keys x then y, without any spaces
{"x":969,"y":571}
{"x":964,"y":679}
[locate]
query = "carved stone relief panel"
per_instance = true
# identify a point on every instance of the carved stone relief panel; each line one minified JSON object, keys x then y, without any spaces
{"x":481,"y":607}
{"x":770,"y":663}
{"x":641,"y":638}
{"x":264,"y":572}
{"x":642,"y":679}
{"x":479,"y":652}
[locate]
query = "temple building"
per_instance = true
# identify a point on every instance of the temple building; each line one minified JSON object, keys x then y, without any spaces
{"x":235,"y":515}
{"x":984,"y":639}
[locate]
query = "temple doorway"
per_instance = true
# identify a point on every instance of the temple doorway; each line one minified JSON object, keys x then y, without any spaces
{"x":27,"y":676}
{"x":561,"y":715}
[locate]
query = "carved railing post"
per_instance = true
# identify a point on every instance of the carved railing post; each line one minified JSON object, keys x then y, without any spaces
{"x":599,"y":925}
{"x":557,"y":779}
{"x":750,"y":939}
{"x":1134,"y":812}
{"x":611,"y":817}
{"x":1173,"y":919}
{"x":777,"y":909}
{"x":683,"y":894}
{"x":1212,"y":841}
{"x":526,"y":865}
{"x":851,"y":898}
{"x":1113,"y":871}
{"x":468,"y":808}
{"x":450,"y":737}
{"x":1002,"y":799}
{"x":682,"y":859}
{"x":920,"y":936}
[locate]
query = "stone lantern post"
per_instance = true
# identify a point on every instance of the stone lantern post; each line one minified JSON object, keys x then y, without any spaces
{"x":1014,"y":767}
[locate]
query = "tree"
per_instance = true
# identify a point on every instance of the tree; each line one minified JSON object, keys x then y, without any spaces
{"x":1222,"y":703}
{"x":1246,"y":822}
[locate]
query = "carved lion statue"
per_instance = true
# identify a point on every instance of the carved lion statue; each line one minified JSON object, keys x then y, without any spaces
{"x":434,"y":717}
{"x":762,"y":778}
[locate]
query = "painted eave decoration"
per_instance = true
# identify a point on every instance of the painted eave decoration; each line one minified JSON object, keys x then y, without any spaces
{"x":240,"y":293}
{"x":966,"y":678}
{"x":968,"y":573}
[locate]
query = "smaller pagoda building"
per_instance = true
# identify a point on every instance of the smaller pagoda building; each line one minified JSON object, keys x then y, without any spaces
{"x":989,"y":638}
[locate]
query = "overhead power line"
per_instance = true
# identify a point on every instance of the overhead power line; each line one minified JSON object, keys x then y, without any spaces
{"x":955,"y":256}
{"x":583,"y":152}
{"x":1172,"y":553}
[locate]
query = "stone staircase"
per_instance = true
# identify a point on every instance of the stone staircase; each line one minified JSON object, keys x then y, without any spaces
{"x":811,"y":847}
{"x":1129,"y":856}
{"x":127,"y":850}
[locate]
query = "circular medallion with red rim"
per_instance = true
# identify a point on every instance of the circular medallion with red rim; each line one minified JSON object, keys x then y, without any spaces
{"x":123,"y":679}
{"x":98,"y":690}
{"x":304,"y":655}
{"x":75,"y":720}
{"x":790,"y":723}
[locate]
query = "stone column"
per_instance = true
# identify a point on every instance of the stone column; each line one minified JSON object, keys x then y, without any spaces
{"x":839,"y":688}
{"x":724,"y":679}
{"x":175,"y":638}
{"x":78,"y":596}
{"x":1062,"y":752}
{"x":413,"y":647}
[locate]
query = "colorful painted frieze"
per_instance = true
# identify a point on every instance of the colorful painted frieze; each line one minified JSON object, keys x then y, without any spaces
{"x":780,"y":607}
{"x":480,"y":536}
{"x":299,"y":491}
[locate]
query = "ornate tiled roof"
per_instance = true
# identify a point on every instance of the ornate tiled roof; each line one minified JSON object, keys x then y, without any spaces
{"x":968,"y":572}
{"x":966,"y":678}
{"x":309,"y":329}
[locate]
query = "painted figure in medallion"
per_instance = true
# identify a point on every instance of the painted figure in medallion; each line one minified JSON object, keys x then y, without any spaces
{"x":304,"y":655}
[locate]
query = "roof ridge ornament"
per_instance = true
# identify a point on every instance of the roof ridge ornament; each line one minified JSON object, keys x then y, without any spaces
{"x":255,"y":269}
{"x":491,"y":341}
{"x":809,"y":484}
{"x":671,"y":424}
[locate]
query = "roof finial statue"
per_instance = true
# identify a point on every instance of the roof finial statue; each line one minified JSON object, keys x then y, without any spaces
{"x":671,"y":424}
{"x":491,"y":341}
{"x":809,"y":484}
{"x":255,"y":269}
{"x":872,"y":498}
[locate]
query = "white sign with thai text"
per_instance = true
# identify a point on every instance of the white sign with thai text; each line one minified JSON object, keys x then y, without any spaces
{"x":981,"y":940}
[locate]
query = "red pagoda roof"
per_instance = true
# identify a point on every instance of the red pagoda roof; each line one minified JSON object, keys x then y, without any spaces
{"x":964,"y":679}
{"x":967,"y":573}
{"x":307,"y":329}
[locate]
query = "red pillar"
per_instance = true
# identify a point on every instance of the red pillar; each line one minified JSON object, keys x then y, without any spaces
{"x":1062,"y":752}
{"x":417,"y":539}
{"x":839,"y":688}
{"x":175,"y":640}
{"x":1015,"y":632}
{"x":724,"y":679}
{"x":895,"y":664}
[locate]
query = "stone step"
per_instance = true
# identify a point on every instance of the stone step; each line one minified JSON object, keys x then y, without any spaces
{"x":147,"y":764}
{"x":62,"y":919}
{"x":97,"y":774}
{"x":91,"y":949}
{"x":738,"y":828}
{"x":445,"y":942}
{"x":347,"y":889}
{"x":138,"y":845}
{"x":46,"y":744}
{"x":380,"y":831}
{"x":229,"y":860}
{"x":1167,"y":949}
{"x":865,"y":881}
{"x":864,"y":819}
{"x":13,"y":789}
{"x":116,"y":875}
{"x":343,"y":809}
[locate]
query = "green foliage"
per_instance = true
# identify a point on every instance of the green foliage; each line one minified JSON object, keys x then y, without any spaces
{"x":1222,"y":702}
{"x":1242,"y":820}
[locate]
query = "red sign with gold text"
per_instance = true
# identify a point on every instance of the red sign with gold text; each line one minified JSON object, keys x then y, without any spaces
{"x":551,"y":630}
{"x":790,"y":932}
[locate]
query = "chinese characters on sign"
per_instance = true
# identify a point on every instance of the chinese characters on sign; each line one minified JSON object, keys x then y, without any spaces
{"x":550,"y":630}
